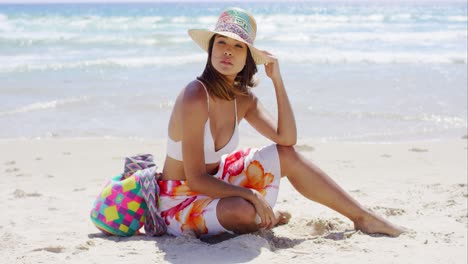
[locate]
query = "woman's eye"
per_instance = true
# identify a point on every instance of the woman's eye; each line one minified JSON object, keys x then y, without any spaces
{"x":221,"y":42}
{"x":239,"y":46}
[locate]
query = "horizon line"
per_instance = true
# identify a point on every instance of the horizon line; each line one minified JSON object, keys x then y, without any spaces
{"x":208,"y":1}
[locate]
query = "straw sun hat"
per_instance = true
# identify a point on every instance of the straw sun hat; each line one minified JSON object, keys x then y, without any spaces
{"x":234,"y":23}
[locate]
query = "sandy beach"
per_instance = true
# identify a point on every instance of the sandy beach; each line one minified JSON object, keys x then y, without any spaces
{"x":379,"y":91}
{"x":48,"y":187}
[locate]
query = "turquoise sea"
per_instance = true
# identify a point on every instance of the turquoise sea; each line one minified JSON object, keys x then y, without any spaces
{"x":367,"y":71}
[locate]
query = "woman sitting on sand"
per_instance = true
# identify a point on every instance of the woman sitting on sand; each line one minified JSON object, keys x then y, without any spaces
{"x":207,"y":187}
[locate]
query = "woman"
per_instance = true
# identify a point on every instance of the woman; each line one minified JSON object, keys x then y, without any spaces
{"x":208,"y":189}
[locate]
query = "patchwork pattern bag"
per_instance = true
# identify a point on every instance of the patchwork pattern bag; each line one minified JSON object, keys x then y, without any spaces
{"x":130,"y":200}
{"x":120,"y":209}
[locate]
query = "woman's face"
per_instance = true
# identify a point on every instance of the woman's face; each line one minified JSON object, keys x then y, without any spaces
{"x":228,"y":56}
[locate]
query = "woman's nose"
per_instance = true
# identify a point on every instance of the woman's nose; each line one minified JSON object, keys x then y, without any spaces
{"x":228,"y":52}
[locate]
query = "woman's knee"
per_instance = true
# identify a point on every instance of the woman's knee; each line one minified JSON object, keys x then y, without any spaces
{"x":287,"y":155}
{"x":236,"y":213}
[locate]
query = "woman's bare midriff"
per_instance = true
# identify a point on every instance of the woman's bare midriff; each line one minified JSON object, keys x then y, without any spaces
{"x":174,"y":169}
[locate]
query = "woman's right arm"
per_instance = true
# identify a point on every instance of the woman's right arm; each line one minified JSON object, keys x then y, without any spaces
{"x":194,"y":117}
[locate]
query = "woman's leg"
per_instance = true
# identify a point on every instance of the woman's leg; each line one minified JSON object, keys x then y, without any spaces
{"x":316,"y":185}
{"x":239,"y":215}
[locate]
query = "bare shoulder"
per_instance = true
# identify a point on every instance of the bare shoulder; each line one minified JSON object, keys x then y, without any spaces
{"x":194,"y":90}
{"x":194,"y":98}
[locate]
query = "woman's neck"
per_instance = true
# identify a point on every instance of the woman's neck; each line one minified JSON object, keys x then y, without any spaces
{"x":230,"y":78}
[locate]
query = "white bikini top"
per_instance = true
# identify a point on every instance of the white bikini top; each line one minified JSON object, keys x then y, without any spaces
{"x":174,"y":149}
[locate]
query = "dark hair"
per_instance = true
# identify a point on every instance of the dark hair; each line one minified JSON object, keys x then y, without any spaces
{"x":219,"y":86}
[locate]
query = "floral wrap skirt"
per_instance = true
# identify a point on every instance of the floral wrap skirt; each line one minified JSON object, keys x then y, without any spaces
{"x":185,"y":211}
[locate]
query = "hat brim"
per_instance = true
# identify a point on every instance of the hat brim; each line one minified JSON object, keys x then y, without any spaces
{"x":202,"y":38}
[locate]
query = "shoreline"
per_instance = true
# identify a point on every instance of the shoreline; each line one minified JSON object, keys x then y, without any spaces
{"x":244,"y":139}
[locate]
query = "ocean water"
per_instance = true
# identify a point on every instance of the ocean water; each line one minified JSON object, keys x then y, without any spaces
{"x":364,"y":71}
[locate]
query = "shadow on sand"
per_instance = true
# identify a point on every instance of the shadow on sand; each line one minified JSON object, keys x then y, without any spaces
{"x":241,"y":248}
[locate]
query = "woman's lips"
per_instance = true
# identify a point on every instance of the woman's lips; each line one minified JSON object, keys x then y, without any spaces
{"x":226,"y":62}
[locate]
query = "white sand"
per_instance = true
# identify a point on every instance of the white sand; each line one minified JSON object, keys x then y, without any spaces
{"x":47,"y":188}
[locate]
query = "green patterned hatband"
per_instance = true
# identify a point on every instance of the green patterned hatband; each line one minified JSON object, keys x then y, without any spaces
{"x":237,"y":21}
{"x":233,"y":23}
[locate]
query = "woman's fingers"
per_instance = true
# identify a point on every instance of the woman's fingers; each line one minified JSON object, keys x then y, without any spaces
{"x":264,"y":211}
{"x":270,"y":57}
{"x":267,"y":216}
{"x":262,"y":214}
{"x":264,"y":218}
{"x":271,"y":217}
{"x":271,"y":60}
{"x":271,"y":65}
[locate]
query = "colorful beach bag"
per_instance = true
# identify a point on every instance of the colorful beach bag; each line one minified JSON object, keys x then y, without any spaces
{"x":130,"y":200}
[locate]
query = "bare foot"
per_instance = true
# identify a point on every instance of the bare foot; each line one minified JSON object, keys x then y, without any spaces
{"x":282,"y":218}
{"x":374,"y":224}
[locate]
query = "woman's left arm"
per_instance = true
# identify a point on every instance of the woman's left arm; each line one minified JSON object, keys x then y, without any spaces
{"x":282,"y":132}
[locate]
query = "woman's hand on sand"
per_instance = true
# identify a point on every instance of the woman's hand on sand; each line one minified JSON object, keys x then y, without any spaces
{"x":264,"y":210}
{"x":272,"y":66}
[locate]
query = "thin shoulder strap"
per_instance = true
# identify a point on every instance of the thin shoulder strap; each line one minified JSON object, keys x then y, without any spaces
{"x":235,"y":108}
{"x":207,"y":95}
